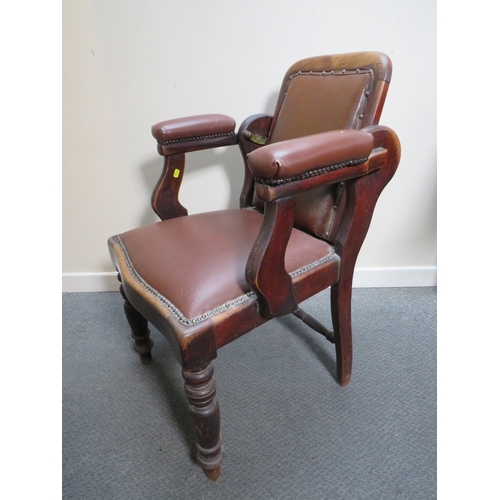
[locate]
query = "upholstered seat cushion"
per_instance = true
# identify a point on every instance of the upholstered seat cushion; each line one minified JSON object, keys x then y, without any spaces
{"x":198,"y":262}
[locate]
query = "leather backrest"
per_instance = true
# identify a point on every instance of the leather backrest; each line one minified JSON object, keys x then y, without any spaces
{"x":326,"y":93}
{"x":318,"y":101}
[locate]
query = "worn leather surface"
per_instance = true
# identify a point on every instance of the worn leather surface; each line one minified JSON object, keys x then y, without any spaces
{"x":198,"y":262}
{"x":317,"y":103}
{"x":193,"y":126}
{"x":287,"y":159}
{"x":313,"y":100}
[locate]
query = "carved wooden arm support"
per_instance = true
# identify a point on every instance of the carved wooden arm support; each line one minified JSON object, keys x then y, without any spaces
{"x":177,"y":137}
{"x":265,"y":270}
{"x":362,"y":193}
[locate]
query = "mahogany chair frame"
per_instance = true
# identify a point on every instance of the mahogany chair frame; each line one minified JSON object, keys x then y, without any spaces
{"x":357,"y":185}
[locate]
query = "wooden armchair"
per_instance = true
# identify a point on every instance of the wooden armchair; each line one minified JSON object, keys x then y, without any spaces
{"x":313,"y":173}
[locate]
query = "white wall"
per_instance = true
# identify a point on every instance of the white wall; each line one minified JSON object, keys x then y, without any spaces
{"x":130,"y":64}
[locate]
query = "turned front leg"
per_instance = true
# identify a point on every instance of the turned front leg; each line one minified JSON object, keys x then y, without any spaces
{"x":140,"y":331}
{"x":204,"y":413}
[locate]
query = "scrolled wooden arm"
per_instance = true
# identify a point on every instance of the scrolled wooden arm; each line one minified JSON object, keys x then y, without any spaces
{"x":176,"y":137}
{"x":362,"y":192}
{"x":265,"y":271}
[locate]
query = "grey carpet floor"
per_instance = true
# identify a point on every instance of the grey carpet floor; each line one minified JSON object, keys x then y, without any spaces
{"x":290,"y":432}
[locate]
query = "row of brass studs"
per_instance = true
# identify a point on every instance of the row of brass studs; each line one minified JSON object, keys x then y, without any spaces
{"x":213,"y":312}
{"x":332,"y":72}
{"x":310,"y":173}
{"x":196,"y":138}
{"x":318,"y":262}
{"x":167,"y":303}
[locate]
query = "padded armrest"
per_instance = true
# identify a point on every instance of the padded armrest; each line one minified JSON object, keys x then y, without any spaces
{"x":286,"y":159}
{"x":193,"y":128}
{"x":193,"y":133}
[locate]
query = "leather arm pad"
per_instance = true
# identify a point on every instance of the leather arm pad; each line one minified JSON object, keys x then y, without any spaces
{"x":286,"y":159}
{"x":193,"y":128}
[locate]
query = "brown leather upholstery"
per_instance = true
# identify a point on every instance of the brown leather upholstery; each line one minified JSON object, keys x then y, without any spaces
{"x":196,"y":278}
{"x":317,"y":101}
{"x":321,"y":94}
{"x":204,"y":280}
{"x":190,"y":127}
{"x":191,"y":133}
{"x":286,"y":159}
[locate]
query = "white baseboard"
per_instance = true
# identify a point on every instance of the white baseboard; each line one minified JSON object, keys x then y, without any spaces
{"x":364,"y":277}
{"x":90,"y":282}
{"x":380,"y":277}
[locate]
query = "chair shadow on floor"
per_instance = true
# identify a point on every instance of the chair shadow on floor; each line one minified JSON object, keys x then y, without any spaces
{"x":323,"y":350}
